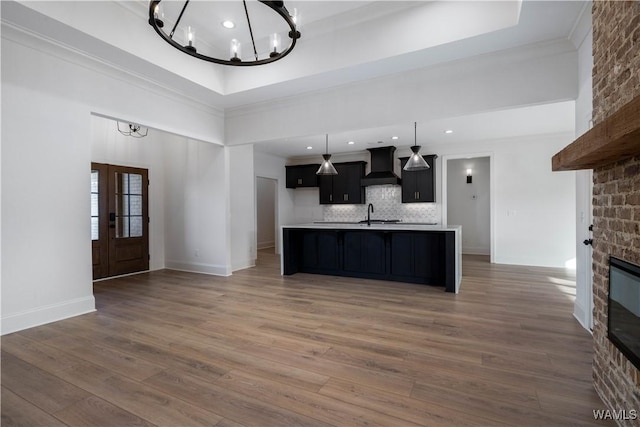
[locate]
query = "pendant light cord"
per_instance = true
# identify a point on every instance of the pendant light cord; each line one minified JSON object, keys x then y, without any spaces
{"x":415,"y":133}
{"x":255,"y":52}
{"x":179,"y":18}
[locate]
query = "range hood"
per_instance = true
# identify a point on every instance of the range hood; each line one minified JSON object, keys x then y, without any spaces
{"x":381,"y":168}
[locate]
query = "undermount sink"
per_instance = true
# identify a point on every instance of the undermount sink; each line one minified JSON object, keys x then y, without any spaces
{"x":380,"y":221}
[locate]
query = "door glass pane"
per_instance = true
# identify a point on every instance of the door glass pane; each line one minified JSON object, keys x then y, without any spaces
{"x":135,"y":183}
{"x":135,"y":205}
{"x":135,"y":228}
{"x":94,"y":228}
{"x":128,"y":205}
{"x":95,"y":234}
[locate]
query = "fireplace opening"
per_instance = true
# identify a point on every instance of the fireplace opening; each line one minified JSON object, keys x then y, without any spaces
{"x":624,"y":308}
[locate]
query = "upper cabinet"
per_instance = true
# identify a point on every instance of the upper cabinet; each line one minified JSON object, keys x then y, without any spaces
{"x":419,"y":186}
{"x":345,"y":187}
{"x":302,"y":176}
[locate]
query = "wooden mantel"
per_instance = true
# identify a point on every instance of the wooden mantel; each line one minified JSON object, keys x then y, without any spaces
{"x":615,"y":138}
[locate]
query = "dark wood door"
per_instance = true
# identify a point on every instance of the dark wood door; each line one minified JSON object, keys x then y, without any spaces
{"x":122,"y":243}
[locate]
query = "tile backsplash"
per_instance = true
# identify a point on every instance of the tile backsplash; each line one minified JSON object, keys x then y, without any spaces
{"x":387,"y":204}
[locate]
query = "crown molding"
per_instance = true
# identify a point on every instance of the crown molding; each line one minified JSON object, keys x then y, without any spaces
{"x":54,"y":48}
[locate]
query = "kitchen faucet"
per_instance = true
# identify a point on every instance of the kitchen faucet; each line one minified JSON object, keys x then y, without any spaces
{"x":369,"y":212}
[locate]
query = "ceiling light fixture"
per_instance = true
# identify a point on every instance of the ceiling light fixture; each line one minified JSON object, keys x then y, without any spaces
{"x":228,"y":24}
{"x":394,"y":137}
{"x":133,"y":130}
{"x":174,"y":17}
{"x":415,"y":162}
{"x":309,"y":148}
{"x":326,"y":168}
{"x":448,"y":131}
{"x":351,"y":142}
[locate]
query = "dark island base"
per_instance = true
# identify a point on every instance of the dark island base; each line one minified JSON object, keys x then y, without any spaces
{"x":424,"y":257}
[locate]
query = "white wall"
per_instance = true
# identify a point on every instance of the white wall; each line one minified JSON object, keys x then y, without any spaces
{"x":266,"y":193}
{"x":533,"y":206}
{"x":242,"y":199}
{"x":196,"y":213}
{"x":468,"y":204}
{"x":48,"y":96}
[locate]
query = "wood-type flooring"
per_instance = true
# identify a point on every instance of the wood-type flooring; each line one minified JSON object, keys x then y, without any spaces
{"x":171,"y":348}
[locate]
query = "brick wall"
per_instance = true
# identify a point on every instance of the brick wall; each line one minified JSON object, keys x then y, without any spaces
{"x":616,"y":192}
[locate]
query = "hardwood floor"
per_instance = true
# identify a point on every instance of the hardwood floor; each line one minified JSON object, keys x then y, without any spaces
{"x":256,"y":349}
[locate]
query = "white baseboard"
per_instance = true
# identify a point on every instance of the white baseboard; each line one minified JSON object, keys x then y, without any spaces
{"x":580,"y":314}
{"x":194,"y":267}
{"x":47,"y":314}
{"x":265,"y":245}
{"x":247,"y":263}
{"x":475,"y":250}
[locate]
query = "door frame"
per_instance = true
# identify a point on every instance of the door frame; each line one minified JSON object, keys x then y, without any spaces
{"x":445,"y":159}
{"x":276,"y":213}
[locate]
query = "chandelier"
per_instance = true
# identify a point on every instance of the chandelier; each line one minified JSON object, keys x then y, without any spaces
{"x":176,"y":22}
{"x":133,"y":130}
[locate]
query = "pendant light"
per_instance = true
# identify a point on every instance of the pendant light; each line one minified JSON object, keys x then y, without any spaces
{"x":416,"y":162}
{"x":326,"y":168}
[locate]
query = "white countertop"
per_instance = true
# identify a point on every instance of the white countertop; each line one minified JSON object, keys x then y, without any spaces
{"x":388,"y":226}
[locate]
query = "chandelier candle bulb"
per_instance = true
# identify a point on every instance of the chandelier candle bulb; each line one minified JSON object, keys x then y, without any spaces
{"x":190,"y":35}
{"x":274,"y":44}
{"x":295,"y":17}
{"x":158,"y":16}
{"x":235,"y":50}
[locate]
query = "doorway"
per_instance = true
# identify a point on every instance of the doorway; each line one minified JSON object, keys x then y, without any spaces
{"x":266,"y":195}
{"x":468,"y":202}
{"x":119,"y":220}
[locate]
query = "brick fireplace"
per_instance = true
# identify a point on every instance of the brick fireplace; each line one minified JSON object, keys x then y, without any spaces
{"x":612,"y":149}
{"x":616,"y":191}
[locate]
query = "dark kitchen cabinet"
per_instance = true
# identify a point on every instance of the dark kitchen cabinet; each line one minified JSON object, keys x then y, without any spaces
{"x":418,"y":255}
{"x":345,"y":187}
{"x":320,"y":251}
{"x":425,"y":257}
{"x":302,"y":176}
{"x":419,"y":186}
{"x":365,"y":252}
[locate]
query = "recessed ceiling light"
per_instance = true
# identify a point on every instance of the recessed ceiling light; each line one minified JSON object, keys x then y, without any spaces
{"x":351,"y":142}
{"x":228,"y":24}
{"x":448,"y":131}
{"x":309,"y":148}
{"x":394,"y":137}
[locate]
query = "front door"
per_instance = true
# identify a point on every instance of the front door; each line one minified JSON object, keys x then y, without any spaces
{"x":119,"y":220}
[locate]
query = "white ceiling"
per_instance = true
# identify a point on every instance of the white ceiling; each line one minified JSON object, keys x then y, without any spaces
{"x":343,"y":42}
{"x":489,"y":126}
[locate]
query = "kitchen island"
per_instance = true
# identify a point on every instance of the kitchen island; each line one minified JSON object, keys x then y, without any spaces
{"x":402,"y":252}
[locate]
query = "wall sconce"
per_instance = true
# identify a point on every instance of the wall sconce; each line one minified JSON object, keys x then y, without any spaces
{"x":469,"y":177}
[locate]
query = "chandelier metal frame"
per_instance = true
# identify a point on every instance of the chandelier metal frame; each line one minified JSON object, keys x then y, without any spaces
{"x":276,"y":6}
